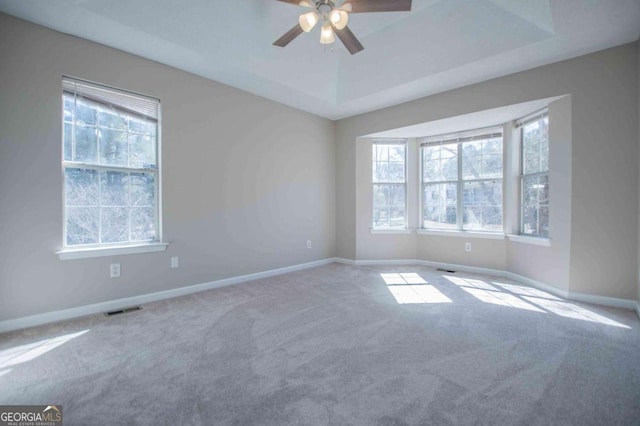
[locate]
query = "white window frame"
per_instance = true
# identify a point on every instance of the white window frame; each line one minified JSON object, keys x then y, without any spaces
{"x":520,"y":124}
{"x":389,"y":141}
{"x":459,"y":139}
{"x":132,"y":104}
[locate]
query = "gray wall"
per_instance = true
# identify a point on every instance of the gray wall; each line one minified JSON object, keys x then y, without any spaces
{"x":246,"y":181}
{"x":603,"y":163}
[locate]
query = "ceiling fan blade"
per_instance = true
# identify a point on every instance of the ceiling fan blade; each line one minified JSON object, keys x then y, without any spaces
{"x":349,"y":40}
{"x":306,"y":3}
{"x":362,"y":6}
{"x":289,"y":36}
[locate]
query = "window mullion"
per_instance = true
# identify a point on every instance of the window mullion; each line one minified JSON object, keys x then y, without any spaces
{"x":459,"y":191}
{"x":99,"y":174}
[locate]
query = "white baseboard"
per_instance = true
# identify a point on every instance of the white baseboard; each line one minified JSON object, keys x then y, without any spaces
{"x":613,"y":302}
{"x":560,"y":292}
{"x":65,"y":314}
{"x":436,"y":265}
{"x":578,"y":297}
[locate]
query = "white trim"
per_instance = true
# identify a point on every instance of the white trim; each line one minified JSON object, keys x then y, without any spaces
{"x":381,"y":262}
{"x":462,"y":234}
{"x":391,"y":230}
{"x":83,"y":253}
{"x":536,"y":241}
{"x":556,"y":291}
{"x":578,"y":297}
{"x":79,"y":311}
{"x":614,"y":302}
{"x":427,"y":263}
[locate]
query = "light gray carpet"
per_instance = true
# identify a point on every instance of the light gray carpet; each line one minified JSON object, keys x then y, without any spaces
{"x":332,"y":345}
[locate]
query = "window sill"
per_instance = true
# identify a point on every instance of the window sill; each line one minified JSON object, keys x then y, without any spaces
{"x":83,"y":253}
{"x":463,"y":234}
{"x":537,"y":241}
{"x":391,"y":230}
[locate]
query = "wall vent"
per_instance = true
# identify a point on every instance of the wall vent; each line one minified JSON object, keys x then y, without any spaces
{"x":123,"y":311}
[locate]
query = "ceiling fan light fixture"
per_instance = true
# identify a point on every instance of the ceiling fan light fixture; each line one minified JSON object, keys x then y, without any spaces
{"x":305,"y":3}
{"x":326,"y":34}
{"x":308,"y":21}
{"x":339,"y":18}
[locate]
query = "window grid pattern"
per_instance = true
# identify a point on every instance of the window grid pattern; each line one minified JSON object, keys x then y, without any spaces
{"x":389,"y":184}
{"x":110,"y":163}
{"x":534,"y":178}
{"x":462,"y":183}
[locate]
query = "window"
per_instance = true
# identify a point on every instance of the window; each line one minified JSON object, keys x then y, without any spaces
{"x":534,"y":177}
{"x":110,"y":163}
{"x":462,"y":181}
{"x":389,"y":183}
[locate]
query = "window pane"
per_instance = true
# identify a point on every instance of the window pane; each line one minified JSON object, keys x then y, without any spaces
{"x":472,"y":160}
{"x":82,"y":225}
{"x":86,"y":149}
{"x":396,"y":153}
{"x":440,"y":163}
{"x":142,"y":224}
{"x":482,"y":205}
{"x":111,"y":120}
{"x":142,"y":126}
{"x":69,"y":108}
{"x":535,"y":146}
{"x":388,"y":162}
{"x":396,"y":172}
{"x":142,"y":151}
{"x":81,"y":188}
{"x":535,"y":199}
{"x":85,"y":112}
{"x":380,"y":152}
{"x":68,"y":142}
{"x":115,"y":224}
{"x":397,"y":216}
{"x":439,"y":201}
{"x":397,"y":195}
{"x":114,"y":189}
{"x":143,"y":189}
{"x":381,"y":172}
{"x":389,"y":205}
{"x":113,"y":147}
{"x":482,"y":159}
{"x":381,"y":195}
{"x":380,"y":217}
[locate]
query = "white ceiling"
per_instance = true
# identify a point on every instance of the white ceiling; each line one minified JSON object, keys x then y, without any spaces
{"x":438,"y":46}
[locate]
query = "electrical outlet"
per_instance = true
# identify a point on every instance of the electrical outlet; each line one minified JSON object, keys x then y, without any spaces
{"x":175,"y":262}
{"x":114,"y":270}
{"x":308,"y":244}
{"x":467,"y":247}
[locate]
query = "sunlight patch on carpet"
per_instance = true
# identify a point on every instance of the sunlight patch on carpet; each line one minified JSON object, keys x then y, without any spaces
{"x":527,"y":298}
{"x":24,"y":353}
{"x":411,"y":288}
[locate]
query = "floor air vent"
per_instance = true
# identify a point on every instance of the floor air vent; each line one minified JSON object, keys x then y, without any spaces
{"x":446,"y":270}
{"x":122,"y":311}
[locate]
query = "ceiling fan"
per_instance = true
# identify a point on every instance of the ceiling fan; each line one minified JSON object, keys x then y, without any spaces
{"x":335,"y":16}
